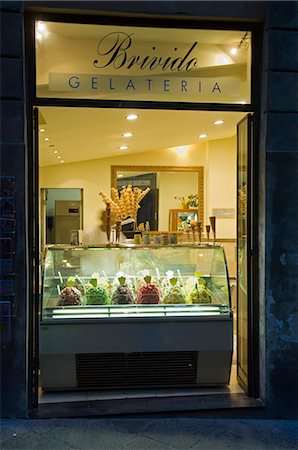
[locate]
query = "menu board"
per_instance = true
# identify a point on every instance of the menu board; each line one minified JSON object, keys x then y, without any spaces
{"x":7,"y":255}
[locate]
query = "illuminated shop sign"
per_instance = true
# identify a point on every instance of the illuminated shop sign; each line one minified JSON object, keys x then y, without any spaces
{"x":161,"y":73}
{"x":155,"y":64}
{"x":116,"y":50}
{"x":71,"y":82}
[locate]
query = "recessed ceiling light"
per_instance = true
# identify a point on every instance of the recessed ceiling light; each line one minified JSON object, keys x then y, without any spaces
{"x":202,"y":136}
{"x":42,"y":130}
{"x":127,"y":134}
{"x":56,"y":151}
{"x":59,"y":157}
{"x":132,"y":117}
{"x":46,"y":139}
{"x":62,"y":161}
{"x":218,"y":122}
{"x":234,"y":51}
{"x":123,"y":147}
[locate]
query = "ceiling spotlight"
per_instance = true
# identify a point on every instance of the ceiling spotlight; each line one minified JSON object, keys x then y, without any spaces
{"x":123,"y":147}
{"x":127,"y":134}
{"x":59,"y":157}
{"x":46,"y":139}
{"x":132,"y":117}
{"x":62,"y":161}
{"x":56,"y":151}
{"x":42,"y":130}
{"x":218,"y":122}
{"x":203,"y":136}
{"x":41,"y":30}
{"x":241,"y":44}
{"x":38,"y":35}
{"x":41,"y":27}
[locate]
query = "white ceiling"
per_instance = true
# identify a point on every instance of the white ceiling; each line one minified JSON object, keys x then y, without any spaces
{"x":79,"y":134}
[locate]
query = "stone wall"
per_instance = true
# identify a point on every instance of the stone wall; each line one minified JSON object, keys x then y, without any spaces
{"x":280,"y":252}
{"x":13,"y":163}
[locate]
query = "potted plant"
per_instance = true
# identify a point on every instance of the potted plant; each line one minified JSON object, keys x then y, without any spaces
{"x":189,"y":201}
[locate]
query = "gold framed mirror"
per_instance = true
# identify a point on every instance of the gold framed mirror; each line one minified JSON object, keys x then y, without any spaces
{"x":168,"y":188}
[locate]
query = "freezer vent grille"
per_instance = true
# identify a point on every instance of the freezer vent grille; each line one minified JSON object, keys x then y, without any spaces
{"x":135,"y":370}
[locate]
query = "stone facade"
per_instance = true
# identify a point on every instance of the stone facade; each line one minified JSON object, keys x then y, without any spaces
{"x":280,"y":212}
{"x":13,"y":163}
{"x":277,"y":185}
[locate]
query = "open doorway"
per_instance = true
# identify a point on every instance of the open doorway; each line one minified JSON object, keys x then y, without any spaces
{"x":197,"y":161}
{"x":61,"y":215}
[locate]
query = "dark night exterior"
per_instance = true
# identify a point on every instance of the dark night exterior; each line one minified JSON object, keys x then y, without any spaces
{"x":276,"y":277}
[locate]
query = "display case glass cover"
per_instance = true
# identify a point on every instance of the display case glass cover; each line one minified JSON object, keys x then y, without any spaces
{"x":83,"y":283}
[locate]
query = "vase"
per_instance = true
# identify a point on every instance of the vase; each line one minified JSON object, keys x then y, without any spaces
{"x":185,"y":205}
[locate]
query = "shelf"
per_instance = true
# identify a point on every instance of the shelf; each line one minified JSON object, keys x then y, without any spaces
{"x":116,"y":311}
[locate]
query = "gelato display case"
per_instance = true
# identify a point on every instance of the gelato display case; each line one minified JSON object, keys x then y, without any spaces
{"x":115,"y":317}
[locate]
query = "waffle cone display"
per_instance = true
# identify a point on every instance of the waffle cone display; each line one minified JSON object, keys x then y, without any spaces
{"x":126,"y":203}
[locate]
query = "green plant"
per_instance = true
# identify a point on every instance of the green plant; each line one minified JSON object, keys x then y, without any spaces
{"x":190,"y":200}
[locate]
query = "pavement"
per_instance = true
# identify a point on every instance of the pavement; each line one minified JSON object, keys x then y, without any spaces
{"x":148,"y":433}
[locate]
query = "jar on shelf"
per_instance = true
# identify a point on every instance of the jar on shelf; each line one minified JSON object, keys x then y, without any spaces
{"x":156,"y":239}
{"x":146,"y":239}
{"x":165,"y":239}
{"x":173,"y":239}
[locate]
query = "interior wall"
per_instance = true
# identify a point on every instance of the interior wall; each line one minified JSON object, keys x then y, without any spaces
{"x":173,"y":185}
{"x":221,"y":179}
{"x":95,"y":175}
{"x":218,"y":158}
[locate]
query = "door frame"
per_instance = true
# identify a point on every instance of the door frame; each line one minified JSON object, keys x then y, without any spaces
{"x":32,"y":14}
{"x":251,"y":250}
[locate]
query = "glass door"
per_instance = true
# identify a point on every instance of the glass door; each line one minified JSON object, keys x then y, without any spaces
{"x":244,"y":251}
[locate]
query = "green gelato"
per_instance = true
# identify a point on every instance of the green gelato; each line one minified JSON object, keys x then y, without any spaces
{"x":96,"y":295}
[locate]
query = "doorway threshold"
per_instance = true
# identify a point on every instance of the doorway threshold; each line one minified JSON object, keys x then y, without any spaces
{"x":147,"y":401}
{"x":144,"y":402}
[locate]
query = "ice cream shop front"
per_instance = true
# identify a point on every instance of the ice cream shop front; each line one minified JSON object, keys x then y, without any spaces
{"x":143,"y":217}
{"x":138,"y":242}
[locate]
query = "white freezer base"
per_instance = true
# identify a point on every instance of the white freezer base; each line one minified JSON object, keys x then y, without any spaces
{"x":136,"y":353}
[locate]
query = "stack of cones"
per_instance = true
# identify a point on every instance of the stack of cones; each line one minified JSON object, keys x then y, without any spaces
{"x":125,"y":204}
